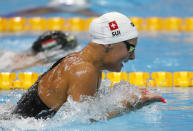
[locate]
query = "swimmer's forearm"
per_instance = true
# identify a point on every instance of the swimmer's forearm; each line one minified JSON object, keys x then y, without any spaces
{"x":113,"y":114}
{"x":127,"y":106}
{"x":139,"y":104}
{"x":23,"y":66}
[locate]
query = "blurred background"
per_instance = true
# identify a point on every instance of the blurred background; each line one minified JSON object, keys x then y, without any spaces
{"x":147,"y":8}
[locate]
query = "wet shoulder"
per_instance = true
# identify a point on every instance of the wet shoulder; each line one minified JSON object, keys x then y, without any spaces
{"x":71,"y":61}
{"x":83,"y":68}
{"x":72,"y":58}
{"x":74,"y":63}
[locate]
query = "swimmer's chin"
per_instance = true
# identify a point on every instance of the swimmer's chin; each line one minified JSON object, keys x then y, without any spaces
{"x":117,"y":70}
{"x":125,"y":61}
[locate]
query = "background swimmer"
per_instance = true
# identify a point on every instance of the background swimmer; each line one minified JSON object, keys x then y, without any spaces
{"x":113,"y":41}
{"x":79,"y":7}
{"x":48,"y":48}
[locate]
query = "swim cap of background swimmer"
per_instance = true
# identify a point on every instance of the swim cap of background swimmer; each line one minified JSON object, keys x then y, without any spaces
{"x":112,"y":28}
{"x":54,"y":40}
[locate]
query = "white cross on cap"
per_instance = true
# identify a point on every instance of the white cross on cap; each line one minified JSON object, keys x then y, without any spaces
{"x":113,"y":25}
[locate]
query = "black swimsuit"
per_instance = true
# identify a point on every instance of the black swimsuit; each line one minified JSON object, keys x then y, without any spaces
{"x":30,"y":105}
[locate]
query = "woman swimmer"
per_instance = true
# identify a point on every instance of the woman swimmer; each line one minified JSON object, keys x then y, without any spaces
{"x":79,"y":74}
{"x":49,"y":47}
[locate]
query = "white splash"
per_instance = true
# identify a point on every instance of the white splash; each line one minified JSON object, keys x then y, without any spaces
{"x":93,"y":108}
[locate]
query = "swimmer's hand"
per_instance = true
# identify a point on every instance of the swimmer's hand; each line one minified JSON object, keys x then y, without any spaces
{"x":148,"y":98}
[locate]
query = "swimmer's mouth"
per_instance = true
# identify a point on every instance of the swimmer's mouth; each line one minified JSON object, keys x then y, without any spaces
{"x":126,"y":60}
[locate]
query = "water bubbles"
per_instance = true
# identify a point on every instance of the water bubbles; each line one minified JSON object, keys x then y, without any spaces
{"x":97,"y":108}
{"x":86,"y":111}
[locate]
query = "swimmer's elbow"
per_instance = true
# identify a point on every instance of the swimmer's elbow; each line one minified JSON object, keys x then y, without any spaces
{"x":113,"y":114}
{"x":110,"y":115}
{"x":127,"y":104}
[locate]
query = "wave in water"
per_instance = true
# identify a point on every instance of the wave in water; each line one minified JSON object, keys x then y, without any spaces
{"x":73,"y":113}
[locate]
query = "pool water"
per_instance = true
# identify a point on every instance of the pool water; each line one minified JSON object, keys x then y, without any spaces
{"x":176,"y":114}
{"x":156,"y":51}
{"x":128,"y":7}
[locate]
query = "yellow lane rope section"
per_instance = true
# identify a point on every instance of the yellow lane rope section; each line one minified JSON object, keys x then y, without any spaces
{"x":141,"y":79}
{"x":76,"y":24}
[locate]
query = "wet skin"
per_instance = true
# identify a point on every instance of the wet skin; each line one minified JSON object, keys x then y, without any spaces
{"x":80,"y":74}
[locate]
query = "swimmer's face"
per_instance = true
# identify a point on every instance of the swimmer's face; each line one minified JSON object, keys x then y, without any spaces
{"x":120,"y":53}
{"x":130,"y":46}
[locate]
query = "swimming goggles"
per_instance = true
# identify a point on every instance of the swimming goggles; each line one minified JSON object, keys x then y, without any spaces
{"x":130,"y":47}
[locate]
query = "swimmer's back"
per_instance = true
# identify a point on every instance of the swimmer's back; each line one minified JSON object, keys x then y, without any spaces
{"x":53,"y":86}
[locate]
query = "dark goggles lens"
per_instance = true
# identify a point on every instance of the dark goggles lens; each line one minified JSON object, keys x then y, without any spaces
{"x":129,"y":46}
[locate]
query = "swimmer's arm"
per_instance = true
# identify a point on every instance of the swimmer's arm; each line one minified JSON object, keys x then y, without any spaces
{"x":146,"y":99}
{"x":23,"y":66}
{"x":24,"y":61}
{"x":83,"y":81}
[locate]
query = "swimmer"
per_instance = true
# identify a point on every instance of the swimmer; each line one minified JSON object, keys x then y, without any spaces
{"x":81,"y":7}
{"x":113,"y":41}
{"x":48,"y":48}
